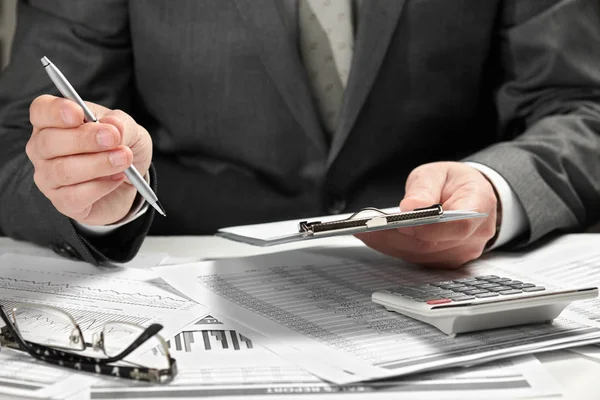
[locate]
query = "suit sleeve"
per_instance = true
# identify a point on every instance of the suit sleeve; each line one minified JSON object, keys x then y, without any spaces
{"x":549,"y":107}
{"x":89,"y":41}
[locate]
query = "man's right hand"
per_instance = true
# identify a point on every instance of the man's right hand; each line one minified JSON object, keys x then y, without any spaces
{"x":80,"y":166}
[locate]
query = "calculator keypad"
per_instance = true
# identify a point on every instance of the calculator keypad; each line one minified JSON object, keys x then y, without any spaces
{"x":464,"y":289}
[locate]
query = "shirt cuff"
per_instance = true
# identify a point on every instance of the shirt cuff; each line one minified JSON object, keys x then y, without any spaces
{"x":138,"y":208}
{"x":513,"y":219}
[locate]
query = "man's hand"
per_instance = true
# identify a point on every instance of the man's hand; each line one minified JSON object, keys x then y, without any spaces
{"x":79,"y":166}
{"x":450,"y":244}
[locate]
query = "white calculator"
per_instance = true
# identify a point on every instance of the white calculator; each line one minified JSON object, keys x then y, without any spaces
{"x":481,"y":302}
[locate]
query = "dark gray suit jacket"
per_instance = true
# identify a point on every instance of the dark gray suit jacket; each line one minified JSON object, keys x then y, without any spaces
{"x":512,"y":84}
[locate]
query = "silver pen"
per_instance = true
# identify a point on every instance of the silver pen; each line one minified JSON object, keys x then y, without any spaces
{"x":65,"y":88}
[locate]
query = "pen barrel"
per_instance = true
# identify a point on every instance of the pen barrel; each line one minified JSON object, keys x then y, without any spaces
{"x":139,"y":182}
{"x":65,"y":88}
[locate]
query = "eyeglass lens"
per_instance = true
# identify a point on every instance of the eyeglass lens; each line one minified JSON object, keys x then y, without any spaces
{"x":47,"y":326}
{"x":120,"y":335}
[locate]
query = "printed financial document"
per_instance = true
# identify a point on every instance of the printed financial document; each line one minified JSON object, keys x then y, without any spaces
{"x":216,"y":360}
{"x":93,"y":295}
{"x":570,"y":260}
{"x":22,"y":377}
{"x":318,"y":301}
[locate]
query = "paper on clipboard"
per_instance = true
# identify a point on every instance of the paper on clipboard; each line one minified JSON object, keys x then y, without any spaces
{"x":366,"y":220}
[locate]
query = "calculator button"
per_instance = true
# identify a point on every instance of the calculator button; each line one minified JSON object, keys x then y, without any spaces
{"x":454,"y":295}
{"x":534,"y":289}
{"x":499,"y":280}
{"x":432,"y":289}
{"x":438,"y":301}
{"x":488,"y":294}
{"x":499,"y":288}
{"x":512,"y":283}
{"x":512,"y":291}
{"x":463,"y":298}
{"x":486,"y":277}
{"x":527,"y":285}
{"x":452,"y":286}
{"x":444,"y":293}
{"x":472,"y":292}
{"x":486,"y":285}
{"x":464,"y":280}
{"x":443,"y":283}
{"x":465,"y":288}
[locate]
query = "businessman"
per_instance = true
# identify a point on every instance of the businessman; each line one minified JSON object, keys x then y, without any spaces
{"x":247,"y":111}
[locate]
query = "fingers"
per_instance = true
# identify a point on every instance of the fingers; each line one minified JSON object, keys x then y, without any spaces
{"x":462,"y":188}
{"x":448,"y":259}
{"x":450,"y":244}
{"x":71,"y":170}
{"x":401,"y":242}
{"x":447,"y":231}
{"x":76,"y":201}
{"x":48,"y":111}
{"x":128,"y":129}
{"x":51,"y":143}
{"x":449,"y":254}
{"x":79,"y":166}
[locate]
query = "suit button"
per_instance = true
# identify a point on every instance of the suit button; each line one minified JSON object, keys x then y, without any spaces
{"x":336,"y":204}
{"x":67,"y":251}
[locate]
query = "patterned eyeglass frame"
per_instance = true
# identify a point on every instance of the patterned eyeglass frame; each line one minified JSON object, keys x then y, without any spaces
{"x":11,"y":338}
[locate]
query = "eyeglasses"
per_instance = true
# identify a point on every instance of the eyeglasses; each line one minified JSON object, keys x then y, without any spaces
{"x":51,"y":335}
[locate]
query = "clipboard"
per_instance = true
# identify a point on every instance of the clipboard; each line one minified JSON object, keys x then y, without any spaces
{"x":368,"y":219}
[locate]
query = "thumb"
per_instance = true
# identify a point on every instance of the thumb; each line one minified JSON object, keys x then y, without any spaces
{"x":423,"y":188}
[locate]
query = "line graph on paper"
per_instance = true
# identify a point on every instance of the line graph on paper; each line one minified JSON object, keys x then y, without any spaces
{"x":88,"y":321}
{"x":108,"y":293}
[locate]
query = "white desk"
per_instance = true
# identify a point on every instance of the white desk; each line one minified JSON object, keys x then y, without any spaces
{"x":579,"y":375}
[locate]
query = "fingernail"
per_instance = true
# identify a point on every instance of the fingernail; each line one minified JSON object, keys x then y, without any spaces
{"x":67,"y":116}
{"x":118,"y":158}
{"x":105,"y":138}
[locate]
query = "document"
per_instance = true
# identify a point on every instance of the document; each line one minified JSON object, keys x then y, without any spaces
{"x":217,"y":360}
{"x":22,"y":377}
{"x":318,"y":302}
{"x":93,"y":295}
{"x":368,"y":220}
{"x":572,"y":260}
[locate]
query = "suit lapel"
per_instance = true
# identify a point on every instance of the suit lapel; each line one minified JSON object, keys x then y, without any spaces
{"x":377,"y":22}
{"x":280,"y":56}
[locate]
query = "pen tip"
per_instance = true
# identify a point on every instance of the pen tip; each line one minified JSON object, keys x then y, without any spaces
{"x":159,"y":208}
{"x":45,"y":61}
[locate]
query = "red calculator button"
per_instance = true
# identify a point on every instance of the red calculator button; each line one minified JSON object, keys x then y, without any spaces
{"x":438,"y":301}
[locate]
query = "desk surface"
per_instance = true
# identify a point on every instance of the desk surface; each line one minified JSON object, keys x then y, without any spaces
{"x":579,"y":376}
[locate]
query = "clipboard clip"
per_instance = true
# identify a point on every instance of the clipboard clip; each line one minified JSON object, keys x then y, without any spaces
{"x":383,"y":219}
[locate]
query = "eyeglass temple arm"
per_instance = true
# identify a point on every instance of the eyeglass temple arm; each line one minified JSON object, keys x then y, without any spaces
{"x":11,"y":334}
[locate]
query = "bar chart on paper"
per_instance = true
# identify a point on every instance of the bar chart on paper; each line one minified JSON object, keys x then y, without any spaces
{"x":207,"y":340}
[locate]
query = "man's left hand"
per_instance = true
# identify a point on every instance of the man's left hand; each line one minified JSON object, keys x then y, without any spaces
{"x":456,"y":186}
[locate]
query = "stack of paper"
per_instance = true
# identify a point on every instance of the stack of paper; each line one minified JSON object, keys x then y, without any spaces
{"x":297,"y":323}
{"x":216,"y":360}
{"x":315,"y":307}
